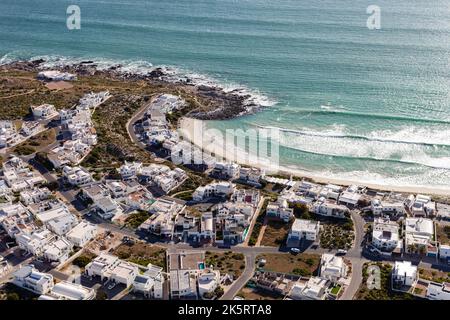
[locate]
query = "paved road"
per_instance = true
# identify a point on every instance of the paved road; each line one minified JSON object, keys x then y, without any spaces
{"x":244,"y":278}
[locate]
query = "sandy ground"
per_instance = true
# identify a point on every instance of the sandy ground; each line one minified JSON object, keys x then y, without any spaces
{"x":59,"y":85}
{"x":193,"y":130}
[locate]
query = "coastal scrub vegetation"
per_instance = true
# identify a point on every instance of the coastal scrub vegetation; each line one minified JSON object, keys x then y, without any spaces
{"x":385,"y":292}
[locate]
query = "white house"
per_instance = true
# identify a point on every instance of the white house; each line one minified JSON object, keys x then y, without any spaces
{"x":69,"y":291}
{"x":36,"y":242}
{"x":150,"y":284}
{"x":58,"y":251}
{"x":330,"y":209}
{"x":110,"y":267}
{"x":108,"y":208}
{"x":444,"y":251}
{"x":280,"y":210}
{"x":304,"y":229}
{"x":314,"y":289}
{"x":438,"y":291}
{"x":385,"y":234}
{"x":404,"y":274}
{"x":130,"y":169}
{"x":31,"y":279}
{"x":45,"y":111}
{"x":419,"y":233}
{"x":213,"y":190}
{"x":82,"y":233}
{"x":77,"y":176}
{"x":208,"y":281}
{"x":332,"y":267}
{"x":54,"y":75}
{"x":392,"y":207}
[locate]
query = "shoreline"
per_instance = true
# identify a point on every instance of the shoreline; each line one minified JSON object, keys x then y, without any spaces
{"x":212,"y":145}
{"x":216,"y":103}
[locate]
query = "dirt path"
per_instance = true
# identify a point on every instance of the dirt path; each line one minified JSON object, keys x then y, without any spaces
{"x":261,"y":233}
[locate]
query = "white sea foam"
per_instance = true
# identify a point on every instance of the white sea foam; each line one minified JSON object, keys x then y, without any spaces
{"x":254,"y":99}
{"x":376,"y":146}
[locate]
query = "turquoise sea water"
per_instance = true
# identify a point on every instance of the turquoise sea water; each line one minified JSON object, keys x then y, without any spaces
{"x":370,"y":105}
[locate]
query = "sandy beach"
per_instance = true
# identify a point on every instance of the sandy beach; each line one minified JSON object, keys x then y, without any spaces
{"x":193,"y":130}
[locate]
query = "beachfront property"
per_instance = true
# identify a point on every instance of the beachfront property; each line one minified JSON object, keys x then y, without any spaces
{"x":419,"y":235}
{"x":329,"y":208}
{"x":251,"y":176}
{"x":111,"y":268}
{"x":167,"y":103}
{"x":404,"y":275}
{"x":44,"y":112}
{"x":385,"y":235}
{"x":303,"y":230}
{"x":314,"y":288}
{"x":82,"y":233}
{"x":226,"y":170}
{"x":394,"y":208}
{"x":421,"y":206}
{"x":69,"y":291}
{"x":351,"y":196}
{"x":54,"y":75}
{"x":213,"y":190}
{"x":332,"y":267}
{"x":76,"y":176}
{"x":32,"y":280}
{"x":280,"y":210}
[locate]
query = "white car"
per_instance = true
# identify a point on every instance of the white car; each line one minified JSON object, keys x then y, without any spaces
{"x":342,"y":251}
{"x":295,"y":250}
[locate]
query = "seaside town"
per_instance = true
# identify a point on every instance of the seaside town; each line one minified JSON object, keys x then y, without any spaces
{"x":154,"y":229}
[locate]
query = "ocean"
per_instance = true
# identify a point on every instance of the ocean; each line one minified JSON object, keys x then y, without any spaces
{"x":352,"y":103}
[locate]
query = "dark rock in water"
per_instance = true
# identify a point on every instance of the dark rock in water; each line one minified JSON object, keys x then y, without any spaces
{"x":87,"y":62}
{"x":37,"y":62}
{"x":157,"y":73}
{"x":115,"y":67}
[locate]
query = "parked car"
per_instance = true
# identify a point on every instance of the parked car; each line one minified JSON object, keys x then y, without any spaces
{"x":295,"y":250}
{"x":341,"y":252}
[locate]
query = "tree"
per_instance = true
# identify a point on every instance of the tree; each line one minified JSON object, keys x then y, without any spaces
{"x":82,"y":261}
{"x":101,"y":295}
{"x":219,"y":291}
